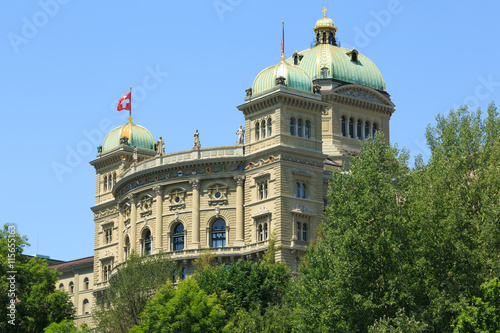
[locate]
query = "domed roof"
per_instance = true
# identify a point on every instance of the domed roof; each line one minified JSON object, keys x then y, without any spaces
{"x":295,"y":77}
{"x":137,"y":136}
{"x":340,"y":65}
{"x":324,"y":23}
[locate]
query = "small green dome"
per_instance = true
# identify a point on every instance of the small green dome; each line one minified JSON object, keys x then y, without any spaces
{"x":333,"y":62}
{"x":295,"y":77}
{"x":325,"y":23}
{"x":137,"y":136}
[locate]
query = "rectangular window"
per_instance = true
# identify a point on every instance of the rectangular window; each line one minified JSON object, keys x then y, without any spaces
{"x":262,"y":188}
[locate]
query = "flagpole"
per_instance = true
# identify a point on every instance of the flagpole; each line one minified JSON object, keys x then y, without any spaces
{"x":130,"y":111}
{"x":283,"y":41}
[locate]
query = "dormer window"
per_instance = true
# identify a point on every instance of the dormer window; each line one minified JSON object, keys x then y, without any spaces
{"x":324,"y":73}
{"x":353,"y":54}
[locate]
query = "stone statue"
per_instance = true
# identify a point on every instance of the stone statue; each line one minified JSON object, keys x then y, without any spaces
{"x":124,"y":140}
{"x":249,"y":91}
{"x":136,"y":155}
{"x":241,"y":135}
{"x":160,"y":147}
{"x":197,"y":144}
{"x":317,"y":89}
{"x":280,"y":81}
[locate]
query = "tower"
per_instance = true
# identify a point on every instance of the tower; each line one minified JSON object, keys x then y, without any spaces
{"x":354,"y":88}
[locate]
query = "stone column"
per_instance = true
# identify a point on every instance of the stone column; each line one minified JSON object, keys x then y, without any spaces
{"x":133,"y":221}
{"x":240,"y":240}
{"x":195,"y":242}
{"x":159,"y":217}
{"x":120,"y":233}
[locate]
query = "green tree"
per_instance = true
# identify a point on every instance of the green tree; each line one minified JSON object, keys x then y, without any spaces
{"x":454,"y":202}
{"x":246,"y":285}
{"x":359,"y":269}
{"x":37,"y":302}
{"x":135,"y":282}
{"x":187,"y":309}
{"x":484,"y":315}
{"x":67,"y":326}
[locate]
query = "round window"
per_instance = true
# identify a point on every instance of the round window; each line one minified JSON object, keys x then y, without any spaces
{"x":177,"y":199}
{"x":218,"y":195}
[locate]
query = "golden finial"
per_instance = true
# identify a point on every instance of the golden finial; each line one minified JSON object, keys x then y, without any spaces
{"x":130,"y":119}
{"x":283,"y":57}
{"x":324,"y":11}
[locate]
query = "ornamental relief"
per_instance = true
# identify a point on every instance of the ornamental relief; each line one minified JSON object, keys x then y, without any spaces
{"x":217,"y":194}
{"x":362,"y":95}
{"x":105,"y":212}
{"x":177,"y":199}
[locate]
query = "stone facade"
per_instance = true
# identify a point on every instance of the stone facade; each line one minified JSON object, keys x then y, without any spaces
{"x":232,"y":199}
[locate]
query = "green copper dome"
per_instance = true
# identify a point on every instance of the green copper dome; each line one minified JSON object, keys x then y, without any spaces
{"x":333,"y":62}
{"x":325,"y":22}
{"x":295,"y":77}
{"x":137,"y":136}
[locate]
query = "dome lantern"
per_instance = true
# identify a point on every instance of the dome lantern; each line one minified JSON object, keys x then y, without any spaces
{"x":325,"y":30}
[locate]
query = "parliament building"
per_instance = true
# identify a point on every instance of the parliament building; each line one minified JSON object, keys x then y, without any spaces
{"x":304,"y":117}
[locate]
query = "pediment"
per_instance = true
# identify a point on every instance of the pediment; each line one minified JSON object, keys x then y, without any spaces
{"x":363,"y":94}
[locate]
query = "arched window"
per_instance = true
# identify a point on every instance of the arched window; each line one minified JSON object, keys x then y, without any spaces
{"x":297,"y":190}
{"x":263,"y":129}
{"x":105,"y":273}
{"x":351,"y":128}
{"x":183,"y":275}
{"x":105,"y":183}
{"x":324,"y":73}
{"x":303,"y":190}
{"x":71,"y":287}
{"x":86,"y":284}
{"x":299,"y":230}
{"x":358,"y":129}
{"x":269,"y":127}
{"x":61,"y":286}
{"x":375,"y":129}
{"x":308,"y":129}
{"x":147,"y":243}
{"x":114,"y":179}
{"x":300,"y":124}
{"x":367,"y":130}
{"x":110,"y":183}
{"x":304,"y":231}
{"x":85,"y":307}
{"x":257,"y":131}
{"x":219,"y":233}
{"x":266,"y":234}
{"x":127,"y":247}
{"x":261,"y":233}
{"x":344,"y":127}
{"x":179,"y":237}
{"x":292,"y":126}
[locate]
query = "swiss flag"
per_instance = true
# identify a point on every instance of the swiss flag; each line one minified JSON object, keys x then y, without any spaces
{"x":124,"y":103}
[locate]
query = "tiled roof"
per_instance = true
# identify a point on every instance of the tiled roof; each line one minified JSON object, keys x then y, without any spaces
{"x":73,"y":263}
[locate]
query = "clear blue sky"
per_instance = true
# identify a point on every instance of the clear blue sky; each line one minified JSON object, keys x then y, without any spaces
{"x":64,"y":67}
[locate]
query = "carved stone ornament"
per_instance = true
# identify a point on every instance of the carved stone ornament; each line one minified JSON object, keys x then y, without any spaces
{"x":360,"y":94}
{"x":239,"y":180}
{"x":280,"y":81}
{"x":195,"y":183}
{"x":261,"y":211}
{"x":158,"y":189}
{"x":124,"y":140}
{"x":302,"y":209}
{"x":176,"y":216}
{"x":217,"y":212}
{"x":317,"y":89}
{"x":249,"y":91}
